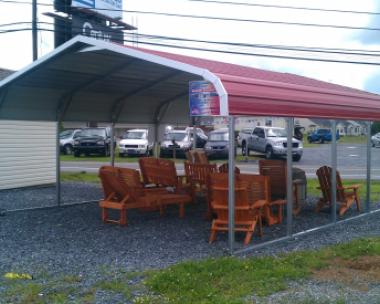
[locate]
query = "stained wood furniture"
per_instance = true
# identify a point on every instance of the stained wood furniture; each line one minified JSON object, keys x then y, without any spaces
{"x":196,"y":156}
{"x":119,"y":197}
{"x":276,"y":170}
{"x":345,"y":195}
{"x":159,"y":172}
{"x":247,"y":214}
{"x":223,"y":168}
{"x":199,"y":177}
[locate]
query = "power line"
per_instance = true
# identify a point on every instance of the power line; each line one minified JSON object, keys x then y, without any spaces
{"x":341,"y":51}
{"x":226,"y":18}
{"x":287,"y":7}
{"x":247,"y":53}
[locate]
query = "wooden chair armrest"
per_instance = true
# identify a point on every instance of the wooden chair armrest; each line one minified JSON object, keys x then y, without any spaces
{"x":259,"y":204}
{"x":352,"y":187}
{"x":297,"y":181}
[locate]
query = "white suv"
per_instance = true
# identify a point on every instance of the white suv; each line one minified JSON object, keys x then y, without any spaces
{"x":135,"y":142}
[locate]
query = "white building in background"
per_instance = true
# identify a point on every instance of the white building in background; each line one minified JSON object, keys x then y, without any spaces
{"x":27,"y":152}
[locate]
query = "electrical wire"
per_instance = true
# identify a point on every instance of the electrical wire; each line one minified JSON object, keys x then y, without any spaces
{"x":287,"y":7}
{"x":246,"y":53}
{"x":226,"y":18}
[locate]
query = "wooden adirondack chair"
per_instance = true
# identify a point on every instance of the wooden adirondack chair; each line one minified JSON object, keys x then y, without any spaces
{"x":246,"y":216}
{"x":197,"y":157}
{"x":131,"y":179}
{"x":276,"y":170}
{"x":345,"y":196}
{"x":259,"y":197}
{"x":119,"y":197}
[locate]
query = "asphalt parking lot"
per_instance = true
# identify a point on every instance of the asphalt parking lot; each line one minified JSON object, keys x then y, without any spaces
{"x":352,"y":161}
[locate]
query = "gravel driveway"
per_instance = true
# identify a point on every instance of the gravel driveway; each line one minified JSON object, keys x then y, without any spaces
{"x":72,"y":239}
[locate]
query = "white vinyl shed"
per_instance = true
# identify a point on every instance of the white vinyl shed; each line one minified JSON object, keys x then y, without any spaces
{"x":27,"y":153}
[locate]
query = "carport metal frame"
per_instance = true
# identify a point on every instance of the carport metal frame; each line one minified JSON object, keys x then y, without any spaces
{"x":205,"y":74}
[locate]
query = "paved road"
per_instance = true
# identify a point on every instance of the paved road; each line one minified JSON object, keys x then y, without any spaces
{"x":351,"y":162}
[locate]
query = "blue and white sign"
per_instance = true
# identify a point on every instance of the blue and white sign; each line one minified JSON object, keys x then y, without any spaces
{"x":110,"y":8}
{"x":203,"y":99}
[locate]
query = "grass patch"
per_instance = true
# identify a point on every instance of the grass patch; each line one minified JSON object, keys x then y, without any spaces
{"x":342,"y":140}
{"x":82,"y":176}
{"x":234,"y":280}
{"x":312,"y":184}
{"x":214,"y":280}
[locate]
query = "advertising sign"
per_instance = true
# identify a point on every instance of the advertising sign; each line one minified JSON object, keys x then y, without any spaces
{"x":110,"y":8}
{"x":91,"y":28}
{"x":203,"y":99}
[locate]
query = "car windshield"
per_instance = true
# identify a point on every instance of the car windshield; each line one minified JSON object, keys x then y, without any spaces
{"x":218,"y":137}
{"x":323,"y":131}
{"x":176,"y":136}
{"x":92,"y":132}
{"x":276,"y":132}
{"x":134,"y":135}
{"x":66,"y":133}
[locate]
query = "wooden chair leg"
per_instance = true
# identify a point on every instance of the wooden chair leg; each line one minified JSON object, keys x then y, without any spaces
{"x":104,"y":215}
{"x":212,"y":234}
{"x":357,"y":200}
{"x":321,"y":203}
{"x":181,"y":210}
{"x":123,"y":217}
{"x":260,"y":220}
{"x":249,"y":234}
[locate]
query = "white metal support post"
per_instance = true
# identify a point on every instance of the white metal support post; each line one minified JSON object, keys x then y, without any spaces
{"x":57,"y":166}
{"x":112,"y":146}
{"x":231,"y":184}
{"x":369,"y":147}
{"x":289,"y":176}
{"x":333,"y":170}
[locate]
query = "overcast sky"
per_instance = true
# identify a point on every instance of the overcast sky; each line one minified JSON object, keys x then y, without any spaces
{"x":16,"y":49}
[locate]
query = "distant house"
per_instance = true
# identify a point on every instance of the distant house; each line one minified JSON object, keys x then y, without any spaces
{"x":27,"y":151}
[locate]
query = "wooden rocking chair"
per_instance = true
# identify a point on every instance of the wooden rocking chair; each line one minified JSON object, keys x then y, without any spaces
{"x":276,"y":170}
{"x":345,"y":196}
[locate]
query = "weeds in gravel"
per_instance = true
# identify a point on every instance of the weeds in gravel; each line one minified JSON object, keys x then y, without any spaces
{"x":214,"y":280}
{"x":232,"y":280}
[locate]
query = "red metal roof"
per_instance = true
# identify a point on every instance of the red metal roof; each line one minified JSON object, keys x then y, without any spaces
{"x":253,"y":91}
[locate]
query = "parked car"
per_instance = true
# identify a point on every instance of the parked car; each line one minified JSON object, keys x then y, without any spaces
{"x":217,"y":143}
{"x":271,"y":141}
{"x":321,"y":136}
{"x":92,"y":141}
{"x":375,"y":140}
{"x":135,"y":142}
{"x":66,"y":140}
{"x":181,"y":141}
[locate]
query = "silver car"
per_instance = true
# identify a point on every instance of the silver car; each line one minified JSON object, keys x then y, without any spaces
{"x":273,"y":142}
{"x":375,"y":140}
{"x":66,"y":140}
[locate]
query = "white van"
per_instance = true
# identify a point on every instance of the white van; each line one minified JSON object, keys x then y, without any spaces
{"x":135,"y":142}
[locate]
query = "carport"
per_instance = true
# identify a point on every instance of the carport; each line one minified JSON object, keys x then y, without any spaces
{"x":90,"y":80}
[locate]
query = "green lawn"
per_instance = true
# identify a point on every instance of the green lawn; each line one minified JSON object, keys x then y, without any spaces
{"x":210,"y":281}
{"x":312,"y":184}
{"x":343,"y":140}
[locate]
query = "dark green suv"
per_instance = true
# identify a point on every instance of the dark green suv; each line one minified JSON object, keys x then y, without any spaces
{"x":92,"y":141}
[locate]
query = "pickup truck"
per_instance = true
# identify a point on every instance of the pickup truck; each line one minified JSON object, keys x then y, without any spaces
{"x":321,"y":136}
{"x":269,"y":140}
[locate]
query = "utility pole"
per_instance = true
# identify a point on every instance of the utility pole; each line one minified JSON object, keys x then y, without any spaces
{"x":34,"y":30}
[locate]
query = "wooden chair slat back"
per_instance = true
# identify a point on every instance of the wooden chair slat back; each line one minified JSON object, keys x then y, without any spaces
{"x":130,"y":178}
{"x":324,"y":178}
{"x":224,"y":169}
{"x":276,"y":170}
{"x":107,"y":189}
{"x":200,"y":157}
{"x":166,"y":173}
{"x":257,"y":186}
{"x":111,"y":178}
{"x":147,"y":166}
{"x":199,"y":172}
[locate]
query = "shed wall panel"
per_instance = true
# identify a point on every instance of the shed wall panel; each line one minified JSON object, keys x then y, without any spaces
{"x":27,"y":153}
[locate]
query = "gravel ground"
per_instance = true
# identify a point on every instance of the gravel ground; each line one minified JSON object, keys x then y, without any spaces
{"x":73,"y":240}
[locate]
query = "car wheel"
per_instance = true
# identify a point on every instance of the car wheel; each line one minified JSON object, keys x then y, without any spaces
{"x":322,"y":141}
{"x":68,"y":149}
{"x":269,"y":152}
{"x":296,"y":158}
{"x":76,"y":153}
